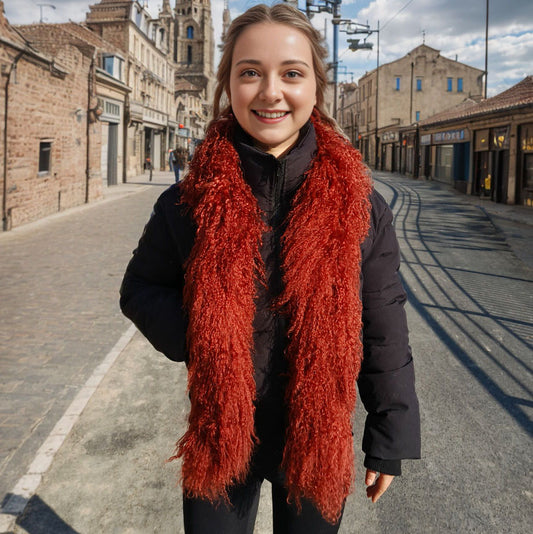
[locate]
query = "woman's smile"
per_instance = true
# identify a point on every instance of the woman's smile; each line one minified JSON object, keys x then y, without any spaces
{"x":272,"y":88}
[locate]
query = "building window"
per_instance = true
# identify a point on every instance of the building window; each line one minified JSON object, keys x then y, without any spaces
{"x":190,"y":32}
{"x":419,"y":84}
{"x":113,"y":66}
{"x":397,"y":83}
{"x":449,"y":87}
{"x":459,"y":85}
{"x":417,"y":116}
{"x":45,"y":152}
{"x":189,"y":55}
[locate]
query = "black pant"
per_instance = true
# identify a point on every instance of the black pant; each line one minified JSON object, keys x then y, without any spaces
{"x":202,"y":517}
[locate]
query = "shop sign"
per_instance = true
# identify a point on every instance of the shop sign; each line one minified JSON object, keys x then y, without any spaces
{"x":389,"y":137}
{"x":481,"y":141}
{"x":527,"y":144}
{"x":500,"y":138}
{"x":527,"y":138}
{"x":425,"y":139}
{"x":451,"y":136}
{"x":409,"y":140}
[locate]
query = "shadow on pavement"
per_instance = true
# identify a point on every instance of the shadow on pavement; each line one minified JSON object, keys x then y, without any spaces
{"x":457,"y":301}
{"x":39,"y":518}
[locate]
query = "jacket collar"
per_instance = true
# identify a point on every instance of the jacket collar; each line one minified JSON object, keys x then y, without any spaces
{"x":260,"y":168}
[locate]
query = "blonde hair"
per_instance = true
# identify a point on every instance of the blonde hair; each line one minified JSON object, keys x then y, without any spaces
{"x":277,"y":14}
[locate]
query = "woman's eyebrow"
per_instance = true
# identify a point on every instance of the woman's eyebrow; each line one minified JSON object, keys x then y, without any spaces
{"x":286,"y":62}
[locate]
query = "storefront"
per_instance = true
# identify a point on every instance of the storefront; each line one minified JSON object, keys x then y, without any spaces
{"x":452,"y":157}
{"x":390,"y":151}
{"x":408,"y":153}
{"x":491,"y":163}
{"x":525,"y":167}
{"x":425,"y":156}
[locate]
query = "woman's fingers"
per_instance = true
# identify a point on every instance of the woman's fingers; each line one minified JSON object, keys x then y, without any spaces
{"x":377,"y":486}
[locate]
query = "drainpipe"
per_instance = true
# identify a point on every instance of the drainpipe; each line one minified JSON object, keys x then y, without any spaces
{"x":411,"y":95}
{"x":5,"y":218}
{"x":90,"y":81}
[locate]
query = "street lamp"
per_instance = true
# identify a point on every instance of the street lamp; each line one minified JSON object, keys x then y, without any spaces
{"x":486,"y":45}
{"x":354,"y":28}
{"x":334,"y":7}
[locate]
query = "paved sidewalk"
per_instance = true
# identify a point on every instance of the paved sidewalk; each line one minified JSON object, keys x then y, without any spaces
{"x":59,"y":315}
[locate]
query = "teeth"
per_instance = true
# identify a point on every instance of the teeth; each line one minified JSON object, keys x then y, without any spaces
{"x":271,"y":115}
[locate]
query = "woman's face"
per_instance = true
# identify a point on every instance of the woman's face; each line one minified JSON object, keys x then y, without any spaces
{"x":272,"y":84}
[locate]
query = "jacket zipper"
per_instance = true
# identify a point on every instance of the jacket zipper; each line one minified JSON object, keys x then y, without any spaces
{"x":278,"y":192}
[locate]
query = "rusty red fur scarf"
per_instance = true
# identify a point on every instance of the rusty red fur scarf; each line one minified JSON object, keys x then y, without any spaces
{"x":321,"y":264}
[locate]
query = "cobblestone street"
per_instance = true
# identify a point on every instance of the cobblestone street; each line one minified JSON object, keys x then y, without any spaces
{"x":59,"y":312}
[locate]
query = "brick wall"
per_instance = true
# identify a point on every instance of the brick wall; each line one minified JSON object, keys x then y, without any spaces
{"x":48,"y":106}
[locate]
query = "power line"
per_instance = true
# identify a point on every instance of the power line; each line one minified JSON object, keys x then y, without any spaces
{"x":394,"y":16}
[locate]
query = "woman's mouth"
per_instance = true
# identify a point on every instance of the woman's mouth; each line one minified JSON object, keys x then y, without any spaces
{"x":270,"y":114}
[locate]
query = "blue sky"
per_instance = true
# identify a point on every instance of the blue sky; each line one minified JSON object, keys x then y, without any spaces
{"x":455,"y":27}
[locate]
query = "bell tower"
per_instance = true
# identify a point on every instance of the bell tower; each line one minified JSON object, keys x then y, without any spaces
{"x":194,"y":44}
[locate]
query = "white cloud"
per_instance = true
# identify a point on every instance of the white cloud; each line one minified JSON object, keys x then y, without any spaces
{"x":456,"y":28}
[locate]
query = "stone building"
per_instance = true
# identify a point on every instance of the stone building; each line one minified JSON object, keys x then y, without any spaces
{"x":407,"y":91}
{"x":194,"y":44}
{"x":146,"y":45}
{"x":50,"y":143}
{"x":107,"y":83}
{"x":482,"y":148}
{"x":347,"y":110}
{"x":194,"y":56}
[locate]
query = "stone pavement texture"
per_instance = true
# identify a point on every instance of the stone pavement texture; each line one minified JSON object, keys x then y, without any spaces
{"x":110,"y":475}
{"x":59,"y":313}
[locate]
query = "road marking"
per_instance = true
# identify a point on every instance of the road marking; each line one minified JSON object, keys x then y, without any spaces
{"x":27,"y":485}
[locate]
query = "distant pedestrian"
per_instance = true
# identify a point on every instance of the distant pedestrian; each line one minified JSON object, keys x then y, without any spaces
{"x":170,"y":159}
{"x":179,"y":161}
{"x":271,"y":270}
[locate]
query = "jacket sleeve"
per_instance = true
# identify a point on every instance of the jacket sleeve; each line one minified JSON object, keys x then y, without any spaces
{"x":386,"y":381}
{"x":151,"y":291}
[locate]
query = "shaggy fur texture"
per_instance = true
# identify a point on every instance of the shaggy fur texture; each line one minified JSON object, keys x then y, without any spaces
{"x":321,"y":265}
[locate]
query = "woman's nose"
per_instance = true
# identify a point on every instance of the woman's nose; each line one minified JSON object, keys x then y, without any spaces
{"x":271,"y":90}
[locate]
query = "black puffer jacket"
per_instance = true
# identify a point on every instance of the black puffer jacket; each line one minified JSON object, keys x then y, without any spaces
{"x":151,"y":296}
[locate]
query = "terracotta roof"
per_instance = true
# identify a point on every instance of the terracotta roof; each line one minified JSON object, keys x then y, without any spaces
{"x":517,"y":96}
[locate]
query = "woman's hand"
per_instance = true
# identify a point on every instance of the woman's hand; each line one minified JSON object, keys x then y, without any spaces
{"x":377,"y":486}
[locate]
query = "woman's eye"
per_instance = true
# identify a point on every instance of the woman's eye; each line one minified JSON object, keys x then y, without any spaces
{"x":293,"y":74}
{"x":249,"y":73}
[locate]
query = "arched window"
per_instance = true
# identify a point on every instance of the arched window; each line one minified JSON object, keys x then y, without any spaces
{"x":190,"y":32}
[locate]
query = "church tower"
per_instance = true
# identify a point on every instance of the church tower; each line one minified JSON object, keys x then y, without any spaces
{"x":226,"y":21}
{"x":194,"y":44}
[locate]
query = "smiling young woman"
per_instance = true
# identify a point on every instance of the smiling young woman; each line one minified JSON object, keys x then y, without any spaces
{"x":271,"y":270}
{"x":272,"y":88}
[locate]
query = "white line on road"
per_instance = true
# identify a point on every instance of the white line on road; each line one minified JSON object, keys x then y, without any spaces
{"x":27,"y":485}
